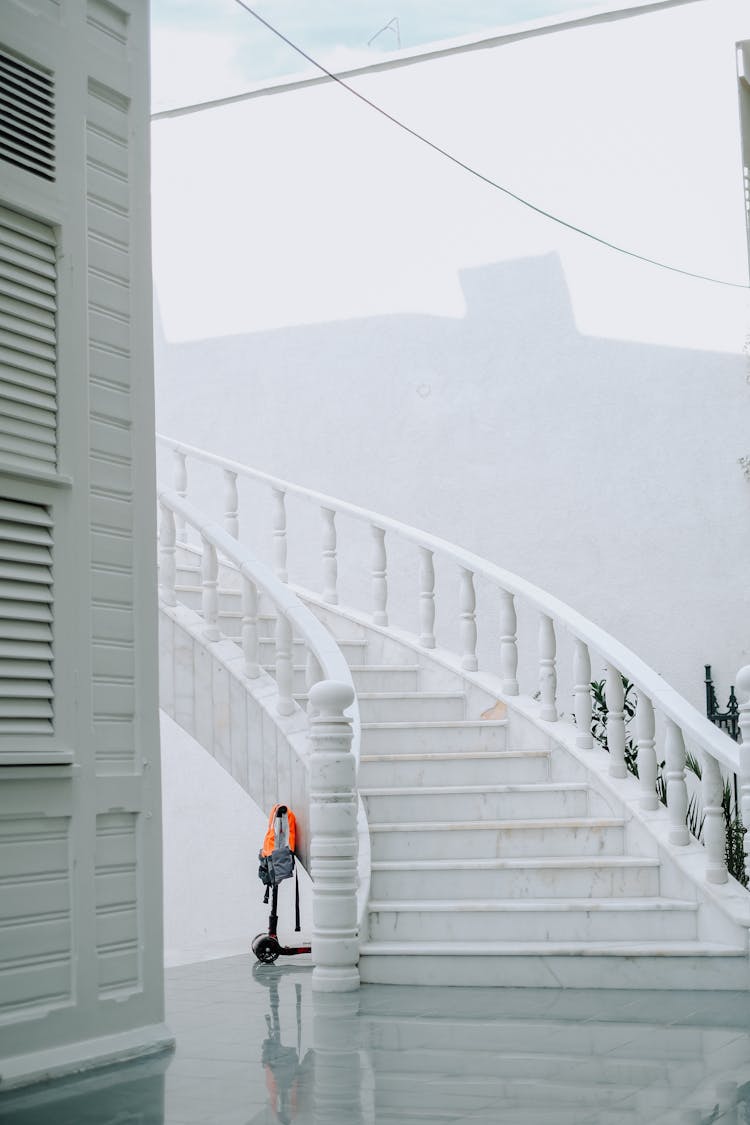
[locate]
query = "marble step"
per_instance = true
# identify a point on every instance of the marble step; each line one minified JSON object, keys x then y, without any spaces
{"x":506,"y":766}
{"x":451,"y":737}
{"x":469,"y":1094}
{"x":617,"y":965}
{"x":500,"y":838}
{"x":523,"y":877}
{"x":366,"y":677}
{"x":390,"y":707}
{"x":354,"y":651}
{"x":554,"y":920}
{"x":478,"y":802}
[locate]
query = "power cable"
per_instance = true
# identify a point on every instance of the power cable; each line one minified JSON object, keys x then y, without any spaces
{"x":480,"y":175}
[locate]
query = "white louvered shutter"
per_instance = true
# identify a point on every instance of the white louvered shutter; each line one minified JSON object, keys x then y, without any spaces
{"x":28,"y":370}
{"x":26,"y":618}
{"x":27,"y":116}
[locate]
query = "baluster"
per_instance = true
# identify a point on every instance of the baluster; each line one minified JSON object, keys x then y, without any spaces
{"x":508,"y":644}
{"x":333,"y":840}
{"x":284,"y":666}
{"x":714,"y":830}
{"x":167,"y":555}
{"x":313,"y":676}
{"x":615,"y":697}
{"x":547,"y":670}
{"x":582,"y":695}
{"x":677,"y":796}
{"x":379,"y":577}
{"x":180,"y":487}
{"x":279,"y":534}
{"x":426,"y":598}
{"x":742,"y":685}
{"x":231,"y":504}
{"x":330,"y":563}
{"x":250,"y":627}
{"x":210,"y":583}
{"x":647,"y":764}
{"x":467,"y":602}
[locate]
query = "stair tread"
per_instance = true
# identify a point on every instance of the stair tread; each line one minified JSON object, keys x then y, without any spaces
{"x":438,"y":724}
{"x":587,"y":948}
{"x":535,"y":905}
{"x":513,"y":862}
{"x":468,"y":755}
{"x":481,"y":825}
{"x":365,"y":668}
{"x":518,"y":787}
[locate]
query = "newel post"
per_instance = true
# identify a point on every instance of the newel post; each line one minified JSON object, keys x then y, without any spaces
{"x":743,"y":693}
{"x":333,"y":840}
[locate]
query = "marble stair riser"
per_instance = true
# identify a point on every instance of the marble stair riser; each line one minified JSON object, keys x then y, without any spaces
{"x":518,"y":882}
{"x":469,"y":1094}
{"x":404,"y":708}
{"x":623,"y":922}
{"x":502,"y":803}
{"x":365,"y":679}
{"x":506,"y":768}
{"x":505,"y":1111}
{"x":488,"y":841}
{"x":354,"y":651}
{"x":414,"y":738}
{"x":661,"y":970}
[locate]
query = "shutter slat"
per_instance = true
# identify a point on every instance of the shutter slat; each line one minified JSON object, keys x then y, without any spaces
{"x":20,"y":429}
{"x":16,"y":591}
{"x":25,"y":708}
{"x":37,"y":612}
{"x":12,"y":551}
{"x":24,"y":689}
{"x":39,"y":536}
{"x":17,"y":252}
{"x":28,"y":330}
{"x":35,"y":374}
{"x":20,"y":410}
{"x":18,"y":512}
{"x":25,"y":347}
{"x":43,"y":318}
{"x":10,"y":727}
{"x":23,"y":572}
{"x":28,"y":117}
{"x":24,"y":650}
{"x":33,"y":398}
{"x":12,"y":671}
{"x":37,"y":455}
{"x":32,"y":228}
{"x":31,"y":297}
{"x":16,"y":629}
{"x":24,"y":113}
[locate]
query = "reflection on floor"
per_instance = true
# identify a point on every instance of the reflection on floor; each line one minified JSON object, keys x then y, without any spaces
{"x":255,"y":1047}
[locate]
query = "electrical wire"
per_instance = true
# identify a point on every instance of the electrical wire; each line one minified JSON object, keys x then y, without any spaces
{"x":480,"y":175}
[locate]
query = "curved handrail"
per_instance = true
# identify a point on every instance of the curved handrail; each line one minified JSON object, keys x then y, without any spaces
{"x":693,"y":724}
{"x":331,"y":660}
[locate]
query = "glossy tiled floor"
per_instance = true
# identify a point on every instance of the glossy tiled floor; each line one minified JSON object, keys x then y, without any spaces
{"x":254,"y":1046}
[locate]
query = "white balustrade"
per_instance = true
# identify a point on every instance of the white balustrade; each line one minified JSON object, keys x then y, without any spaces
{"x":231,"y":504}
{"x":180,"y":486}
{"x":379,"y":577}
{"x":330,"y":563}
{"x":426,"y":598}
{"x":284,"y":666}
{"x":250,"y":628}
{"x":743,"y":694}
{"x":210,"y":590}
{"x":279,"y":534}
{"x":615,"y":697}
{"x":313,"y":676}
{"x":677,"y":794}
{"x":547,"y":669}
{"x":167,"y":555}
{"x":582,"y":695}
{"x":333,"y":840}
{"x":714,"y":830}
{"x":508,"y":644}
{"x":647,"y":763}
{"x":467,"y":603}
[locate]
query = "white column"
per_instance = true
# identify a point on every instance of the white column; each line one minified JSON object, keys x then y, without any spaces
{"x":250,"y":628}
{"x":547,"y":670}
{"x":615,"y":697}
{"x":279,"y":534}
{"x":647,"y":764}
{"x":231,"y":504}
{"x":330,"y":562}
{"x":284,"y":666}
{"x":714,"y":830}
{"x":210,"y":585}
{"x":333,"y":840}
{"x":426,"y":598}
{"x":337,"y":1074}
{"x":467,"y":603}
{"x":167,"y":555}
{"x":180,"y":487}
{"x":743,"y":694}
{"x":582,"y":695}
{"x":677,"y":797}
{"x":508,"y":644}
{"x":379,"y":577}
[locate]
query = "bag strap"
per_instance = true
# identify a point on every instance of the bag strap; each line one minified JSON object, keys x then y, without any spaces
{"x":296,"y":901}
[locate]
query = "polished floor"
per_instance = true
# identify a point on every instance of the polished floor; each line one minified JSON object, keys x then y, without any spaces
{"x":255,"y":1046}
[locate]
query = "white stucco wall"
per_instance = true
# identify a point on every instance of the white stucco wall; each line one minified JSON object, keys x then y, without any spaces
{"x":342,"y":307}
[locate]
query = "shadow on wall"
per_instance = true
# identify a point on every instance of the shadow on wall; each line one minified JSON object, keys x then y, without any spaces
{"x":566,"y":458}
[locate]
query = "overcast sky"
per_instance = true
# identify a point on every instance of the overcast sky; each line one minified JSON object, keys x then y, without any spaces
{"x":204,"y":49}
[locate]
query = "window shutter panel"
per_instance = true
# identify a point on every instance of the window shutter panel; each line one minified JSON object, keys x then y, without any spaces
{"x":28,"y":372}
{"x":26,"y":617}
{"x":27,"y":117}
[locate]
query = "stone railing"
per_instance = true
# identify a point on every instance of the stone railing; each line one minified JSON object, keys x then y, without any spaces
{"x":339,"y":839}
{"x":664,"y":720}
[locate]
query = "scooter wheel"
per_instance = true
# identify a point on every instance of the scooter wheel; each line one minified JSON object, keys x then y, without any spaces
{"x":265,"y":948}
